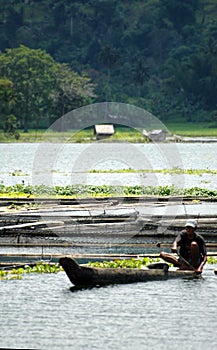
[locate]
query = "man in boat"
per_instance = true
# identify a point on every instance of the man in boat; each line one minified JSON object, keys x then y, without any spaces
{"x":190,"y":249}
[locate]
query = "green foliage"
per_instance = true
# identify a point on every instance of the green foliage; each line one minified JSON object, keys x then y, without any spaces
{"x":11,"y":125}
{"x":9,"y":121}
{"x":40,"y":267}
{"x":125,"y":263}
{"x":82,"y":191}
{"x":43,"y":87}
{"x":72,"y":90}
{"x":173,"y":171}
{"x":122,"y":134}
{"x":135,"y":263}
{"x":200,"y":192}
{"x":180,"y":12}
{"x":33,"y":75}
{"x":211,"y":260}
{"x":7,"y":96}
{"x":192,"y":129}
{"x":160,"y":54}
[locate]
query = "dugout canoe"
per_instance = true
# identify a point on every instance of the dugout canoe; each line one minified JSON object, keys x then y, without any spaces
{"x":84,"y":276}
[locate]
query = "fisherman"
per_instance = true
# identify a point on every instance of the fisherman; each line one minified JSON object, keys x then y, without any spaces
{"x":190,"y":249}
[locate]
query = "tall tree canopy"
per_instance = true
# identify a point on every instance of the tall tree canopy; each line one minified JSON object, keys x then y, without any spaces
{"x":160,"y":54}
{"x":37,"y":78}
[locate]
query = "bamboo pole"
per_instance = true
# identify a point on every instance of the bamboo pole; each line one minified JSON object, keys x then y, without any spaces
{"x":86,"y":256}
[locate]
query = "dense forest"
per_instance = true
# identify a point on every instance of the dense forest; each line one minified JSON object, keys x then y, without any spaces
{"x":160,"y":55}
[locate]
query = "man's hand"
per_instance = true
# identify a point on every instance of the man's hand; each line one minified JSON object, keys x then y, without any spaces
{"x":199,"y":269}
{"x":174,"y":250}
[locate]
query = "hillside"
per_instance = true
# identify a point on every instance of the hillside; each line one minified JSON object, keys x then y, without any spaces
{"x":155,"y":54}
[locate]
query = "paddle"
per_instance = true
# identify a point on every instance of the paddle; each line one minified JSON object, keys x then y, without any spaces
{"x":186,"y":262}
{"x":182,"y":259}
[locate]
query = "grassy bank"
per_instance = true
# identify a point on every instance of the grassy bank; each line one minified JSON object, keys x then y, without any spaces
{"x":192,"y":129}
{"x":76,"y":136}
{"x":121,"y":134}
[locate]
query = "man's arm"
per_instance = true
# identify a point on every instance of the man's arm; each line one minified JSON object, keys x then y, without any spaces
{"x":174,"y":247}
{"x":204,"y":254}
{"x":176,"y":243}
{"x":200,"y":268}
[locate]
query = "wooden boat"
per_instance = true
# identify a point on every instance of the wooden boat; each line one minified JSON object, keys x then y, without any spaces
{"x":84,"y":276}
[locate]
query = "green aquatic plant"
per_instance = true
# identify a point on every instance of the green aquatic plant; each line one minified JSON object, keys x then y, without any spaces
{"x":136,"y":263}
{"x":211,"y":260}
{"x":40,"y":267}
{"x":172,"y":171}
{"x":18,"y":173}
{"x":124,"y":263}
{"x":81,"y":191}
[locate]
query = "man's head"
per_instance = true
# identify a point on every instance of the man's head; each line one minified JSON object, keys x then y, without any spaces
{"x":191,"y":223}
{"x":190,"y":227}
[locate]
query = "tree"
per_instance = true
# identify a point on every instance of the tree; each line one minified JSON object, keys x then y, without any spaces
{"x":140,"y":73}
{"x":71,"y":91}
{"x":109,"y":57}
{"x":175,"y":38}
{"x":180,"y":12}
{"x":33,"y":75}
{"x":41,"y":83}
{"x":7,"y":101}
{"x":11,"y":125}
{"x":7,"y":96}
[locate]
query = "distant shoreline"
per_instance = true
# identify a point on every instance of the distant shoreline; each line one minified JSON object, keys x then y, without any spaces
{"x":173,"y":139}
{"x":176,"y":132}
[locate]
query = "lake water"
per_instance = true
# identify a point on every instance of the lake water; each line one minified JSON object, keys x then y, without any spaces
{"x":67,"y":164}
{"x":41,"y":312}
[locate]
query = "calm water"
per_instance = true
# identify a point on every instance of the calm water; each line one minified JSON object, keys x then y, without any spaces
{"x":66,"y":164}
{"x":40,"y":311}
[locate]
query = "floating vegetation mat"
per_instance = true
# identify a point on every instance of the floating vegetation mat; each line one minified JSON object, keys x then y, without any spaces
{"x":135,"y":263}
{"x":18,"y":272}
{"x":81,"y":191}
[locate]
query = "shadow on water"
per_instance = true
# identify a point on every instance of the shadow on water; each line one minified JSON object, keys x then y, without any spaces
{"x":74,"y":289}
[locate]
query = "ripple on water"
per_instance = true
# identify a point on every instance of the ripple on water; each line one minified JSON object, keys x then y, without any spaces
{"x":40,"y":311}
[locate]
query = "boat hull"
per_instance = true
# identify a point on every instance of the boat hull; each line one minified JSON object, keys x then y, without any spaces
{"x":88,"y":276}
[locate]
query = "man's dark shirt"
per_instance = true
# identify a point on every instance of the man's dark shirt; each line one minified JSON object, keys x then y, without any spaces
{"x":184,"y":243}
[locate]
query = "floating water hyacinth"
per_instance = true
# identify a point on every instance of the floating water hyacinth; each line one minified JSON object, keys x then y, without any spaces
{"x":74,"y":191}
{"x":135,"y":263}
{"x":40,"y":267}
